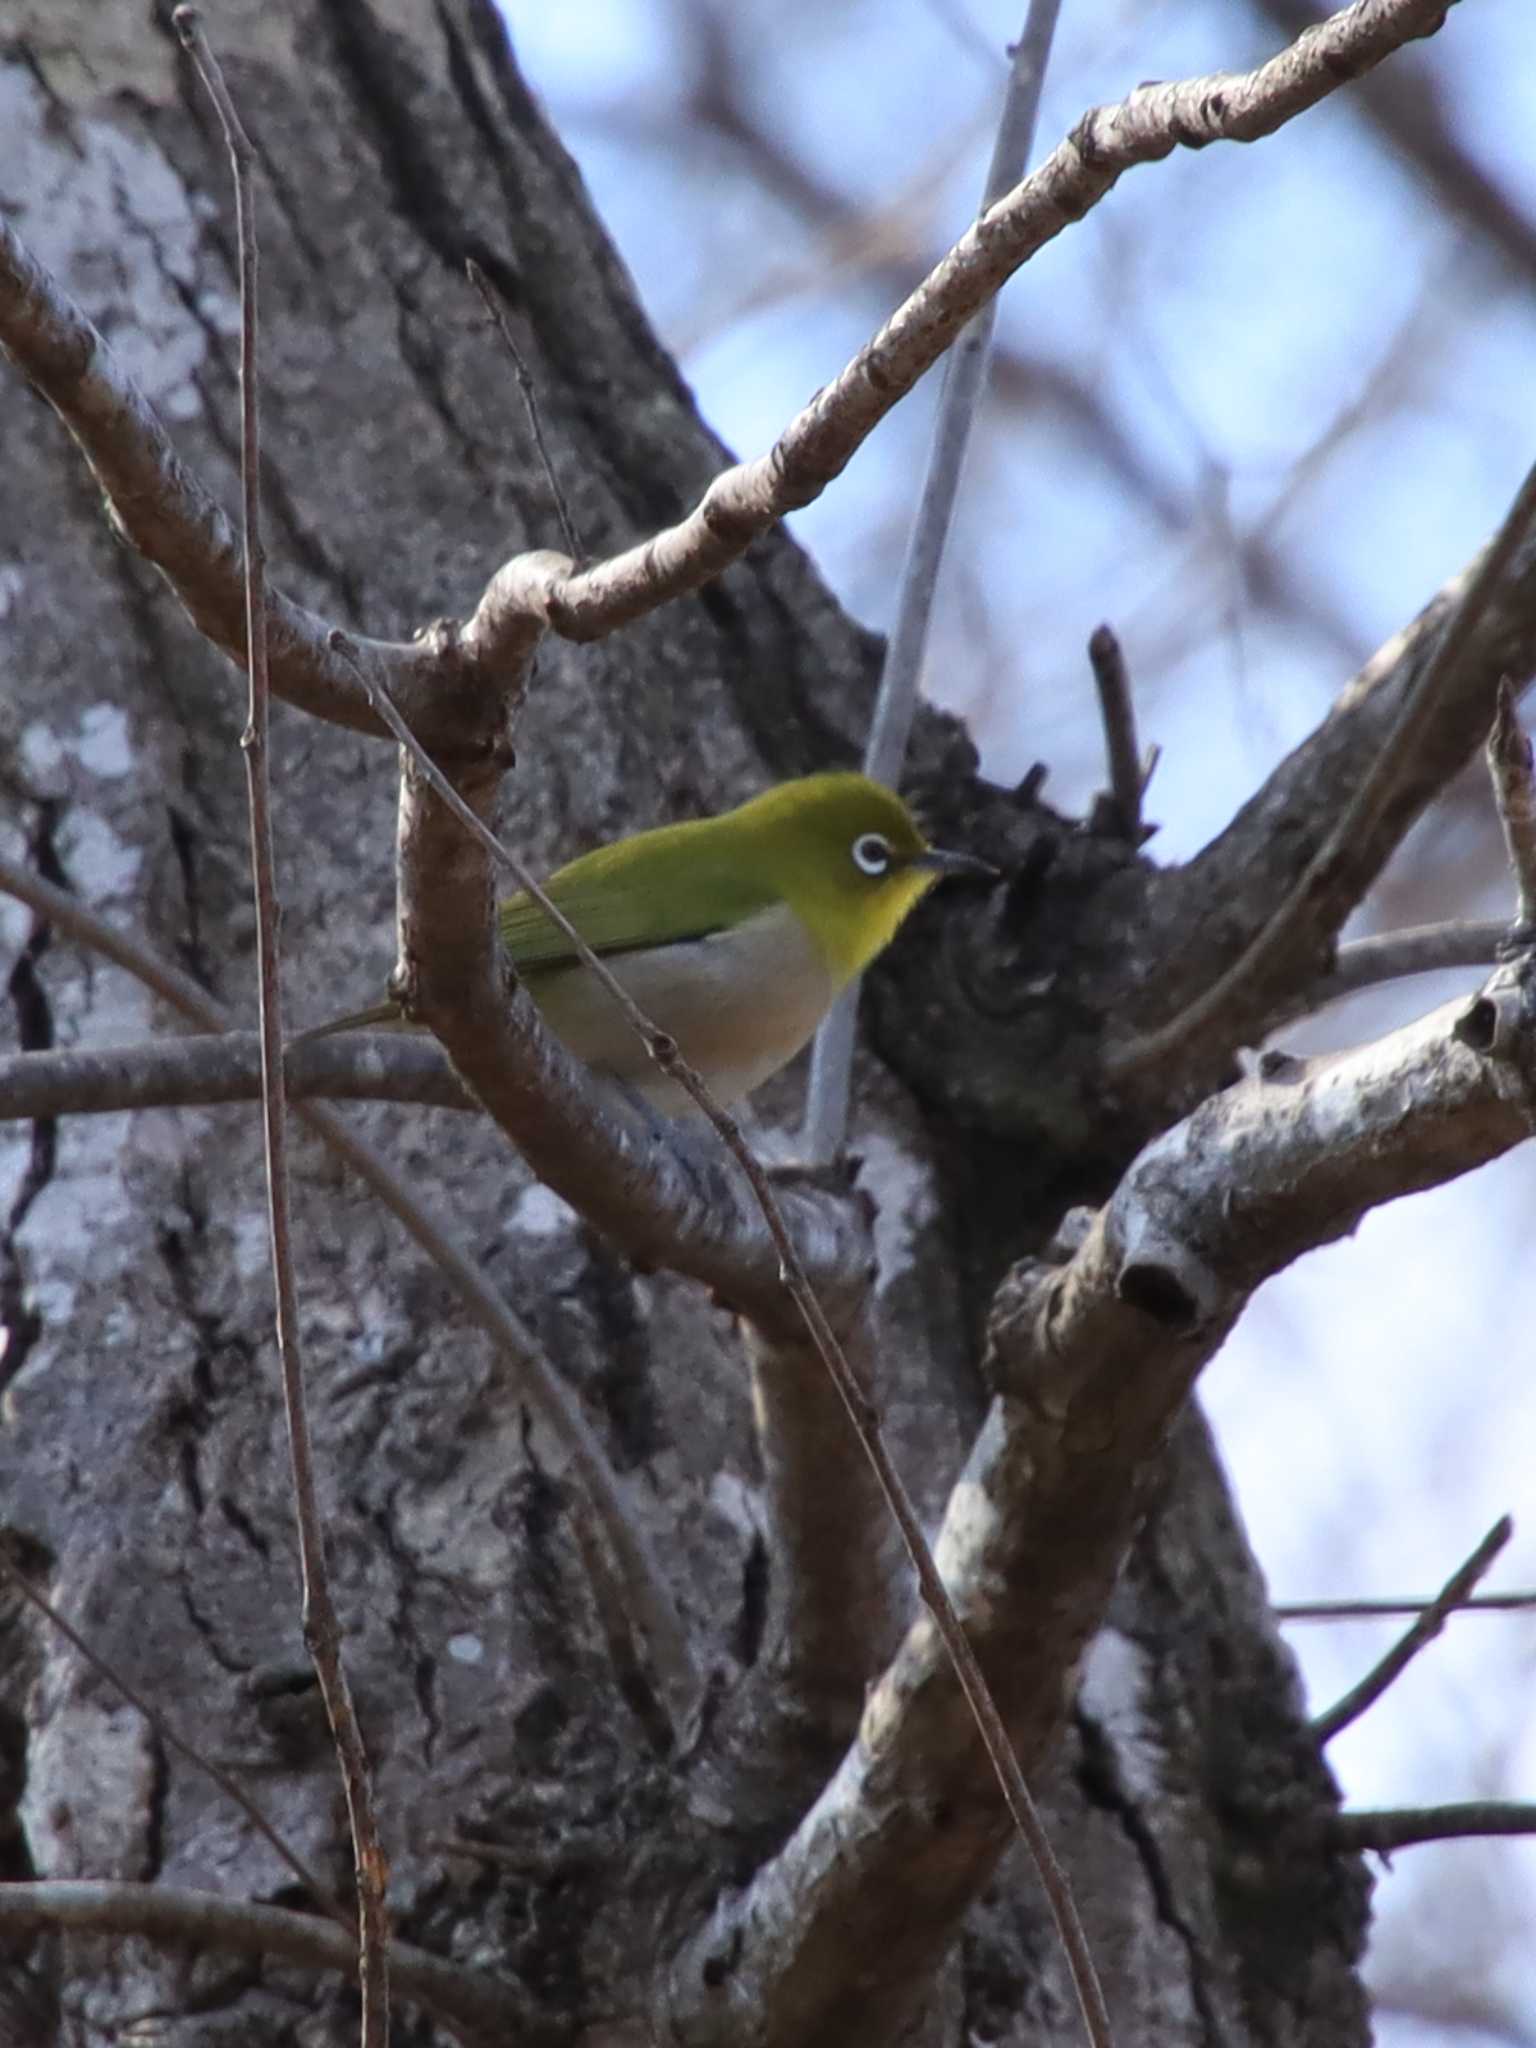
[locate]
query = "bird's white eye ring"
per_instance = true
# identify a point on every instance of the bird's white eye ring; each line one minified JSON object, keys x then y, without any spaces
{"x":872,"y":854}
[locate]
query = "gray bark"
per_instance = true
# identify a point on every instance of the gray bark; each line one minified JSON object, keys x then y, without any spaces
{"x":142,"y":1461}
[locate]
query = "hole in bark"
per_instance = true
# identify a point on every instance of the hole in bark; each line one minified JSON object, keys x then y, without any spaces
{"x":753,"y":1617}
{"x":718,"y":1967}
{"x":1159,"y":1294}
{"x":539,"y":1724}
{"x":1477,"y":1026}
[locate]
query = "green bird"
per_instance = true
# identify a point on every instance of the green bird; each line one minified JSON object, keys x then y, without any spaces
{"x":733,"y":933}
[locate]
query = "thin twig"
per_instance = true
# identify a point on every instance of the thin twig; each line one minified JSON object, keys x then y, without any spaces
{"x":826,"y":1101}
{"x":124,"y":949}
{"x":1403,"y":1827}
{"x":322,"y":1631}
{"x":1127,"y":773}
{"x":474,"y":2005}
{"x":530,"y":396}
{"x":663,"y":1050}
{"x":964,"y":385}
{"x":547,"y":1396}
{"x":232,"y":1790}
{"x":1221,"y":1006}
{"x":1377,"y":1610}
{"x":1514,"y":788}
{"x":1360,"y":1697}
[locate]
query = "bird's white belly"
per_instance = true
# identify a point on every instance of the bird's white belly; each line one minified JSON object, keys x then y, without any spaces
{"x":740,"y":1005}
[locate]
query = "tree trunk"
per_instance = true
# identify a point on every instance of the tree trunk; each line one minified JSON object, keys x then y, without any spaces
{"x":539,"y":1826}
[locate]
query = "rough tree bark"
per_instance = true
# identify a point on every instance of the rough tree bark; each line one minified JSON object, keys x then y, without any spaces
{"x":142,"y":1467}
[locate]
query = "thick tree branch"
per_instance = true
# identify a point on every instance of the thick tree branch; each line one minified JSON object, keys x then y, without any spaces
{"x":1093,"y":1360}
{"x":165,"y":511}
{"x":841,"y":1590}
{"x":846,"y":1593}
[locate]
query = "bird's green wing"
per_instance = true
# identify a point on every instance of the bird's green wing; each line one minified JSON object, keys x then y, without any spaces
{"x":655,"y":889}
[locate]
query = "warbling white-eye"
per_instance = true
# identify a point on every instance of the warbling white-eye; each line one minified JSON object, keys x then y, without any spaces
{"x":733,"y":934}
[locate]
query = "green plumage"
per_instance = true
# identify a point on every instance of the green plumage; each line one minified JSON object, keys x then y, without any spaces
{"x":650,"y":890}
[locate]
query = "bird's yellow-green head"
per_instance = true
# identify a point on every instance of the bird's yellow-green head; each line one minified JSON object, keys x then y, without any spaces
{"x":844,"y":854}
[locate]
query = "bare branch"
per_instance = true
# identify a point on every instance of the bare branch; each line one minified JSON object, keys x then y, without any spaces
{"x":200,"y":1073}
{"x":1416,"y":949}
{"x":530,"y":398}
{"x":1426,"y":1627}
{"x":1128,"y":774}
{"x":1093,"y":1359}
{"x":1369,"y":1610}
{"x":880,"y":239}
{"x":826,"y":1108}
{"x":1404,"y":1827}
{"x":841,"y":1596}
{"x":1224,"y":1013}
{"x":1514,"y":787}
{"x":552,"y":1403}
{"x":322,"y":1629}
{"x":476,"y":2007}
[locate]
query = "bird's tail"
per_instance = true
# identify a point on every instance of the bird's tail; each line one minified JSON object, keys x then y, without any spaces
{"x":382,"y":1017}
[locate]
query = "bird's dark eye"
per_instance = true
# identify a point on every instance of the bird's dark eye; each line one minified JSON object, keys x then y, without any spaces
{"x":872,"y":854}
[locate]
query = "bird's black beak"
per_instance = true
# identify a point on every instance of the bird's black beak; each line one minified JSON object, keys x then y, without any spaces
{"x":946,"y":863}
